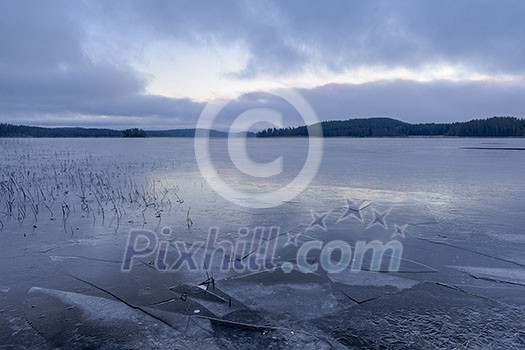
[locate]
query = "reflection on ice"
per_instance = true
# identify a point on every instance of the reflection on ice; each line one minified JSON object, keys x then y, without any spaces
{"x":460,"y":283}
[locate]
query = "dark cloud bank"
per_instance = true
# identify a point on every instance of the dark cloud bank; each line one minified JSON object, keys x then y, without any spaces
{"x":48,"y":77}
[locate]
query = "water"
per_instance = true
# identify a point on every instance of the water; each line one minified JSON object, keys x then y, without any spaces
{"x":460,"y":283}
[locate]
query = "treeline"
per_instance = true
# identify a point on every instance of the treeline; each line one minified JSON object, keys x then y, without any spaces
{"x":183,"y":133}
{"x":133,"y":133}
{"x":368,"y":127}
{"x":192,"y":132}
{"x":9,"y":130}
{"x":388,"y":127}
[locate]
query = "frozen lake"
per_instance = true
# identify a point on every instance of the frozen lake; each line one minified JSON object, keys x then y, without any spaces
{"x":455,"y":205}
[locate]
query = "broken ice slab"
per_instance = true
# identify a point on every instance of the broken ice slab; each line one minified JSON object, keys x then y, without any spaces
{"x":43,"y":248}
{"x":427,"y":315}
{"x":108,"y":249}
{"x":243,"y":319}
{"x":187,"y":324}
{"x":495,"y":251}
{"x":295,"y":295}
{"x":407,"y":263}
{"x":210,"y":296}
{"x":202,"y":291}
{"x":256,"y":330}
{"x":363,"y":286}
{"x":277,"y":275}
{"x":183,"y":257}
{"x":360,"y":294}
{"x":77,"y":320}
{"x":141,"y":286}
{"x":502,"y":275}
{"x":145,"y":286}
{"x":368,"y":278}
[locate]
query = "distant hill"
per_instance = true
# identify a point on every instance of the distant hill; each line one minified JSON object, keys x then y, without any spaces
{"x":185,"y":133}
{"x":9,"y":130}
{"x":364,"y":127}
{"x":388,"y":127}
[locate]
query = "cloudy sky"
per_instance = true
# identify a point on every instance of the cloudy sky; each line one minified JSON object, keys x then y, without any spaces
{"x":155,"y":64}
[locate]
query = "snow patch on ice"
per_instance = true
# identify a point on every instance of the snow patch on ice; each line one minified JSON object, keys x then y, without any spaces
{"x":368,"y":278}
{"x":505,"y":275}
{"x":61,"y":258}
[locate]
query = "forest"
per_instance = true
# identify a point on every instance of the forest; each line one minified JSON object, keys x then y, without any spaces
{"x":362,"y":127}
{"x":388,"y":127}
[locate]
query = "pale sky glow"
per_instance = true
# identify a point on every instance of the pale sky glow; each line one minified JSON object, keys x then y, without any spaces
{"x":132,"y":62}
{"x":203,"y":75}
{"x":200,"y":73}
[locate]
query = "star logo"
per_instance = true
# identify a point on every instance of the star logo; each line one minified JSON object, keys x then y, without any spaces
{"x":400,"y":230}
{"x":291,"y":239}
{"x":353,"y":209}
{"x":379,"y":219}
{"x":318,"y":220}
